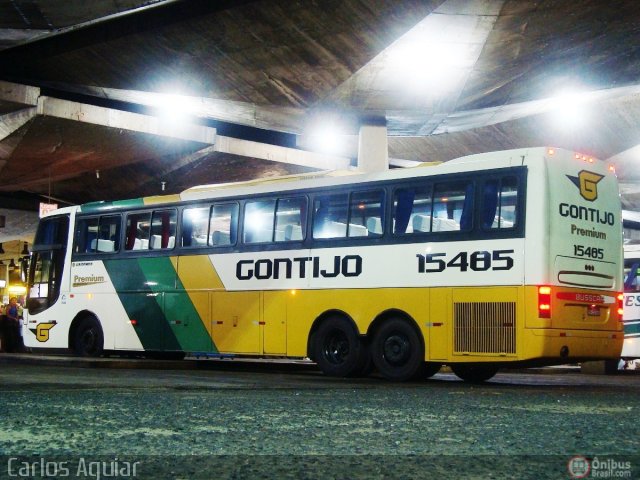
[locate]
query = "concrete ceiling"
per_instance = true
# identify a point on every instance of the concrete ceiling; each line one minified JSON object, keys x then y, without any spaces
{"x":83,"y":87}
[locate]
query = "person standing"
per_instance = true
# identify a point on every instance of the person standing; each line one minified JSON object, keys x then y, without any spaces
{"x":11,"y":325}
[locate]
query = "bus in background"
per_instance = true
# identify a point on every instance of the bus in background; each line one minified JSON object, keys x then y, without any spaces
{"x":494,"y":260}
{"x":631,"y":234}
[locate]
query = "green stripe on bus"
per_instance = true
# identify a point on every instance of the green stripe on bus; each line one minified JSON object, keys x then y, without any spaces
{"x":182,"y":315}
{"x":631,"y":329}
{"x":142,"y":304}
{"x":95,"y":207}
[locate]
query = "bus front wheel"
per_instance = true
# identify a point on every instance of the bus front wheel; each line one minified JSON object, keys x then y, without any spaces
{"x":397,"y":351}
{"x":474,"y":373}
{"x":337,"y":349}
{"x":88,"y":340}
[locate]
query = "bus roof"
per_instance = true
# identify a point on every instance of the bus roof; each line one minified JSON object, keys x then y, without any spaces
{"x":482,"y":161}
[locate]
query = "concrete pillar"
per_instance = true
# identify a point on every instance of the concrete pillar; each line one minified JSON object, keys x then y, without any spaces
{"x":373,"y":149}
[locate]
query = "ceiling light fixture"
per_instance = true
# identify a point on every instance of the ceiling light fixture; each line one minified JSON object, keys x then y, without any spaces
{"x":1,"y":249}
{"x":25,"y":249}
{"x":325,"y":134}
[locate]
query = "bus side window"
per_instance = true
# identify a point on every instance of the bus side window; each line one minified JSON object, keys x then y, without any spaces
{"x":108,"y":234}
{"x":365,"y":218}
{"x":138,"y":228}
{"x":195,"y":223}
{"x":163,"y":229}
{"x":290,"y":219}
{"x":453,"y":206}
{"x":499,"y":201}
{"x":412,"y":210}
{"x":330,"y":215}
{"x":223,"y":224}
{"x":86,"y":235}
{"x":258,"y":221}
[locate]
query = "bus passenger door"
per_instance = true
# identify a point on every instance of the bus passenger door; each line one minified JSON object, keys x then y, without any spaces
{"x":235,"y":319}
{"x":187,"y":314}
{"x":275,"y":322}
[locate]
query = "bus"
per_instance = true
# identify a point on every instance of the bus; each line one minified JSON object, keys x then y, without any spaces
{"x":503,"y":259}
{"x":631,"y":309}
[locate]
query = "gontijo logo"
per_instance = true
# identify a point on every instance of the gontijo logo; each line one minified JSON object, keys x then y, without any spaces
{"x":587,"y":182}
{"x":42,"y":331}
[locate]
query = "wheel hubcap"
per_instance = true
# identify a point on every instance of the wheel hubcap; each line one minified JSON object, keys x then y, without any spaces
{"x":89,"y":340}
{"x":336,"y":348}
{"x":397,"y":349}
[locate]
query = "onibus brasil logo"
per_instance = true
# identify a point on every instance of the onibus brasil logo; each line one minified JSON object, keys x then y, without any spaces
{"x":583,"y":467}
{"x":587,"y":182}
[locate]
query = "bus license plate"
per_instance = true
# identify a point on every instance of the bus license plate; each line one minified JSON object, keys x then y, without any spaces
{"x":593,"y":311}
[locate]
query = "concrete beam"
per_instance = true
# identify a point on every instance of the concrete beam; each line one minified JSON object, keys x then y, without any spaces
{"x":14,"y":92}
{"x":12,"y":121}
{"x":174,"y":128}
{"x":275,"y":153}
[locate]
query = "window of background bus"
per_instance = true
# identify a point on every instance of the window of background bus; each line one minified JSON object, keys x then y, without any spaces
{"x":631,"y":271}
{"x":499,"y":201}
{"x":338,"y":216}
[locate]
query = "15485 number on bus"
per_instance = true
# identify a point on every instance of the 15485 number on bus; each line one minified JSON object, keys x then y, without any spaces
{"x":480,"y":261}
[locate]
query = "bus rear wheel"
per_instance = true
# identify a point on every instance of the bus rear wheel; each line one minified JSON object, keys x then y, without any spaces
{"x":397,"y":351}
{"x":337,"y":348}
{"x":474,"y":373}
{"x":88,"y":340}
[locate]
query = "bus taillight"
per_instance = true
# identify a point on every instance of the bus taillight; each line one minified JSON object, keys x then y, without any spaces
{"x":544,"y":302}
{"x":620,"y":299}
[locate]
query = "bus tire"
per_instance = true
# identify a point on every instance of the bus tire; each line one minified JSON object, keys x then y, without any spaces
{"x":337,"y":348}
{"x":474,"y":373}
{"x":88,"y":339}
{"x":397,"y":350}
{"x":430,"y":369}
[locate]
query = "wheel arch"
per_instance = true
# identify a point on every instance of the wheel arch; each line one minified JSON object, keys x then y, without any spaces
{"x":396,"y":313}
{"x":80,"y":316}
{"x":321,"y":318}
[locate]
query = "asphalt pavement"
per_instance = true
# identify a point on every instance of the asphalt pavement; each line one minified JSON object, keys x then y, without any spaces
{"x":230,"y":419}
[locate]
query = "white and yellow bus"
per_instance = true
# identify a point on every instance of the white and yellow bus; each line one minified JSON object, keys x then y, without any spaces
{"x":496,"y":260}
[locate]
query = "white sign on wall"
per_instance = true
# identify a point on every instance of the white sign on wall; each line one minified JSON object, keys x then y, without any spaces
{"x":46,"y":208}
